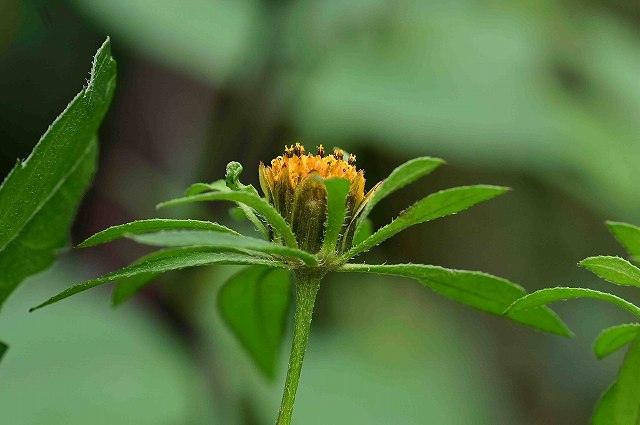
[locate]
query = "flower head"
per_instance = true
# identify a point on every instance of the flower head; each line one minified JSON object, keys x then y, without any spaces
{"x":293,"y":185}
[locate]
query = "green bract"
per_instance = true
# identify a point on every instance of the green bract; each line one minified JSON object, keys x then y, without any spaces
{"x":313,"y":220}
{"x":620,"y":404}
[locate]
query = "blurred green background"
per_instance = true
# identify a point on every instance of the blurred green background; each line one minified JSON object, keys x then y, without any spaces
{"x":539,"y":95}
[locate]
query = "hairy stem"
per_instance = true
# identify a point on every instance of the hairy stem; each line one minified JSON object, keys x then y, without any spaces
{"x":307,"y":286}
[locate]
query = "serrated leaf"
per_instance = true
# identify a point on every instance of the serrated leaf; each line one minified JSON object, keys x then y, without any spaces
{"x":436,"y":205}
{"x":400,"y":177}
{"x":221,"y":240}
{"x":40,"y":196}
{"x":550,"y":295}
{"x":614,"y":338}
{"x":475,"y":289}
{"x":337,"y":191}
{"x":149,"y":226}
{"x":628,"y":235}
{"x":181,"y":260}
{"x":603,"y":413}
{"x":626,"y":397}
{"x":251,"y":200}
{"x":254,"y":303}
{"x":613,"y":269}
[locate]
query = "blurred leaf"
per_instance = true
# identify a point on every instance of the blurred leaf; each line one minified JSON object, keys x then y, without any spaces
{"x":626,"y":397}
{"x":197,"y":188}
{"x":39,"y":197}
{"x":364,"y":230}
{"x":337,"y":191}
{"x":3,"y":349}
{"x":475,"y":289}
{"x":181,"y":259}
{"x":628,"y":236}
{"x":255,"y":304}
{"x":401,"y":176}
{"x":249,"y":199}
{"x":221,"y":240}
{"x":603,"y":413}
{"x":550,"y":295}
{"x":436,"y":205}
{"x":613,"y":269}
{"x":149,"y":226}
{"x":614,"y":338}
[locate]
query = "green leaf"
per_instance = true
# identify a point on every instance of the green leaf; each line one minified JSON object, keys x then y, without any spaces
{"x":626,"y":397}
{"x":249,"y":199}
{"x":628,"y":235}
{"x":603,"y":413}
{"x":181,"y":259}
{"x":363,"y":231}
{"x":221,"y":240}
{"x":613,"y":269}
{"x":403,"y":175}
{"x":436,"y":205}
{"x":550,"y":295}
{"x":614,"y":338}
{"x":197,"y":188}
{"x":337,"y":191}
{"x":3,"y":349}
{"x":254,"y":303}
{"x":40,"y":196}
{"x":475,"y":289}
{"x":149,"y":226}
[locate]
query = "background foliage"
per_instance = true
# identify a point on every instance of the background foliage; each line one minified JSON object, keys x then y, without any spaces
{"x":539,"y":96}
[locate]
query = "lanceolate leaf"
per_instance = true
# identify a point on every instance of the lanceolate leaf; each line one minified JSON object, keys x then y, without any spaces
{"x":149,"y":226}
{"x":255,"y":304}
{"x":550,"y":295}
{"x":626,"y":397}
{"x":613,"y":269}
{"x":181,"y":260}
{"x":337,"y":190}
{"x":403,"y":175}
{"x":249,"y":199}
{"x":221,"y":240}
{"x":479,"y":290}
{"x":436,"y":205}
{"x":628,"y":236}
{"x":603,"y":414}
{"x":614,"y":338}
{"x":39,"y":198}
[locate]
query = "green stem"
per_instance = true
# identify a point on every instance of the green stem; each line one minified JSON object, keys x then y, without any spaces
{"x":307,"y":286}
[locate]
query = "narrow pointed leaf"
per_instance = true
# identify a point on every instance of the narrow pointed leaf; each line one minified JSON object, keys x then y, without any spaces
{"x":436,"y":205}
{"x":479,"y":290}
{"x":254,"y":303}
{"x":181,"y":260}
{"x":614,"y":338}
{"x":613,"y":269}
{"x":550,"y":295}
{"x":603,"y":413}
{"x":257,"y":203}
{"x":149,"y":226}
{"x":221,"y":240}
{"x":337,"y":191}
{"x":628,"y":235}
{"x":39,"y":198}
{"x":626,"y":397}
{"x":403,"y":175}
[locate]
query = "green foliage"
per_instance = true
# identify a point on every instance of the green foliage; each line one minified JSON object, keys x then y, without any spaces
{"x":337,"y":191}
{"x":626,"y":397}
{"x":614,"y":338}
{"x":479,"y":290}
{"x":255,"y":305}
{"x":613,"y":269}
{"x":3,"y":349}
{"x":628,"y":235}
{"x":604,"y":413}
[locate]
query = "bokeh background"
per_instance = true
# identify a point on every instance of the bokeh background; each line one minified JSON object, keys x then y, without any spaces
{"x":539,"y":95}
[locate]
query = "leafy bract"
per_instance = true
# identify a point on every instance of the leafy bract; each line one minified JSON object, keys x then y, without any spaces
{"x":255,"y":304}
{"x":39,"y":197}
{"x":628,"y":235}
{"x":550,"y":295}
{"x":221,"y":240}
{"x":337,"y":191}
{"x":475,"y":289}
{"x":180,"y":259}
{"x":436,"y":205}
{"x":403,"y":175}
{"x":149,"y":226}
{"x":613,"y":269}
{"x":250,"y":199}
{"x":614,"y":338}
{"x":626,"y":397}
